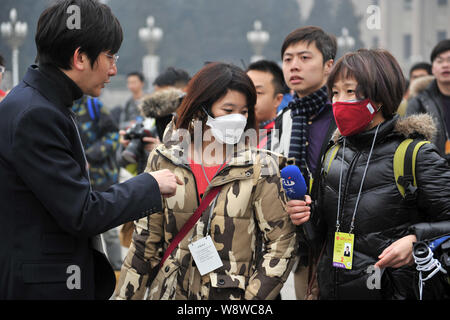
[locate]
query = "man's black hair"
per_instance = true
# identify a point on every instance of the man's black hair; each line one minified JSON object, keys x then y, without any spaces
{"x":272,"y":68}
{"x":56,"y":40}
{"x":421,"y":66}
{"x":2,"y":61}
{"x":172,"y":77}
{"x":325,"y":43}
{"x":441,"y":47}
{"x":137,"y":74}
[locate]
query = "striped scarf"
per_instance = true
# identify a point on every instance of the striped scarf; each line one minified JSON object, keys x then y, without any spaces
{"x":301,"y":111}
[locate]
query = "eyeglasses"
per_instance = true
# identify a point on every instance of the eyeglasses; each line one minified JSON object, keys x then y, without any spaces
{"x":2,"y":69}
{"x":114,"y":57}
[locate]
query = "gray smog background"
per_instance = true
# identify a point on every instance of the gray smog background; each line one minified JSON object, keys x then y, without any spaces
{"x":196,"y":31}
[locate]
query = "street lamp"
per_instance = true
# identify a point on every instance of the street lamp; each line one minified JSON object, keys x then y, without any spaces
{"x":258,"y":39}
{"x":14,"y":32}
{"x":151,"y":36}
{"x":345,"y":41}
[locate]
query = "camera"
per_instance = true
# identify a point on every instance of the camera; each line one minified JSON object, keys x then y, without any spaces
{"x":136,"y":146}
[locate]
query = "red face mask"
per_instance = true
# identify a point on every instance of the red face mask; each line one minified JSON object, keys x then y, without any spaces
{"x":353,"y":116}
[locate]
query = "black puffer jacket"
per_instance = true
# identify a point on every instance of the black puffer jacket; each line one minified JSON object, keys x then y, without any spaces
{"x":382,"y":216}
{"x":429,"y":102}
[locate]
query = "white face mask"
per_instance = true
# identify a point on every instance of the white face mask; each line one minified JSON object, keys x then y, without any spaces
{"x":227,"y":129}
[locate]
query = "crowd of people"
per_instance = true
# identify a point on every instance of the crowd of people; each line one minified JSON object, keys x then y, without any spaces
{"x":189,"y":179}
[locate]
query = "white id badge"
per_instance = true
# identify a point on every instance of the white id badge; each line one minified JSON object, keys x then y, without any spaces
{"x":205,"y":255}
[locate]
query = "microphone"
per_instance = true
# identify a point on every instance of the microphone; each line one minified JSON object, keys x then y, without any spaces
{"x":295,"y":187}
{"x":293,"y":182}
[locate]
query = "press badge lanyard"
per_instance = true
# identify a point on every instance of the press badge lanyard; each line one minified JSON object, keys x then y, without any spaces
{"x":203,"y":251}
{"x":208,"y":229}
{"x":212,"y":194}
{"x":82,"y":149}
{"x":343,"y":242}
{"x":95,"y":241}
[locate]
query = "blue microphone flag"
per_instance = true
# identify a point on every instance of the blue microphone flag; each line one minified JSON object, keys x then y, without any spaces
{"x":293,"y":182}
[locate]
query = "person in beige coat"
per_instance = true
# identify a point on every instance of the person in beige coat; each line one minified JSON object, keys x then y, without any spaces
{"x":247,"y":221}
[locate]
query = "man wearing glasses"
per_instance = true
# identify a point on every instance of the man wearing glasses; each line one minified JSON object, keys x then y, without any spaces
{"x":2,"y":72}
{"x":50,"y":216}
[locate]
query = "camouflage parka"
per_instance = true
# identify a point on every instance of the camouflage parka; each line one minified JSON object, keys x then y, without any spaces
{"x":249,"y":227}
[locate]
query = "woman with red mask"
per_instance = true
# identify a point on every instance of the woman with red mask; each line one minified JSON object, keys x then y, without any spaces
{"x":359,"y":204}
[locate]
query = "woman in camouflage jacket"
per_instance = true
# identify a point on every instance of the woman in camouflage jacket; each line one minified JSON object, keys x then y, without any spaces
{"x":247,"y":221}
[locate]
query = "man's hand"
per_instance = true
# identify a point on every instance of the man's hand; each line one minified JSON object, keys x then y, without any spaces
{"x":299,"y":210}
{"x":397,"y":254}
{"x":167,"y":182}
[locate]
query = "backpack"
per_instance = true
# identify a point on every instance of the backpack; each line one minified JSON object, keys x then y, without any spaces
{"x":93,"y":106}
{"x":404,"y":165}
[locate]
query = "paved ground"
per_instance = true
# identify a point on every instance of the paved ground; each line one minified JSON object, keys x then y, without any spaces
{"x":288,"y":291}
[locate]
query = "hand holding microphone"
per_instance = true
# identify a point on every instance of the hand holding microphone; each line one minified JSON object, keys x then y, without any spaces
{"x":295,"y":188}
{"x":299,"y":210}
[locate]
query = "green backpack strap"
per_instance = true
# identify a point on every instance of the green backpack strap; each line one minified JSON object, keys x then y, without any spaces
{"x":405,"y":167}
{"x":329,"y":157}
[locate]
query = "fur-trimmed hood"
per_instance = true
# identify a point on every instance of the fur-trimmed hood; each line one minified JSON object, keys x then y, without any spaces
{"x":161,"y":103}
{"x":422,"y":124}
{"x":418,"y":85}
{"x":419,"y":124}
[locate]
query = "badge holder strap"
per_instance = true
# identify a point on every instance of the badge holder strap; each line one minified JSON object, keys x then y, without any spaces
{"x":191,"y":222}
{"x":208,"y":228}
{"x":340,"y":187}
{"x":352,"y":225}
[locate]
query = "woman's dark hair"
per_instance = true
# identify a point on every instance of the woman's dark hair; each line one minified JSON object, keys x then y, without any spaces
{"x":56,"y":39}
{"x":378,"y":75}
{"x":2,"y":61}
{"x":210,"y":84}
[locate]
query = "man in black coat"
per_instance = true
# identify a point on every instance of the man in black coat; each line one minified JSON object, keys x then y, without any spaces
{"x":49,"y":216}
{"x":305,"y":126}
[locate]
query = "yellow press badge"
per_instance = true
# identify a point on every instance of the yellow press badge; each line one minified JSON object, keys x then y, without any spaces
{"x":447,"y":147}
{"x":343,"y":250}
